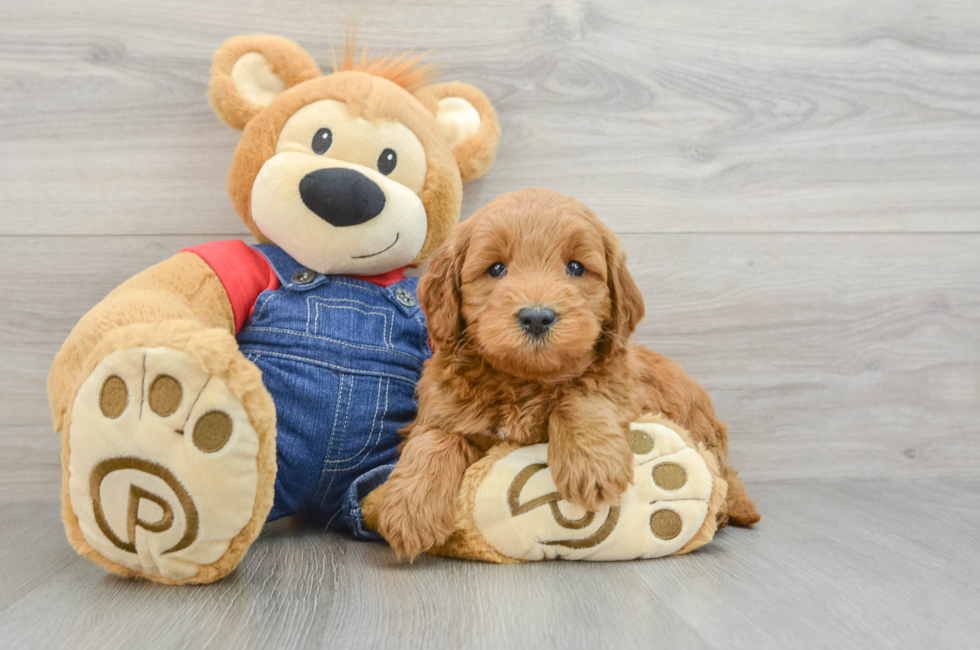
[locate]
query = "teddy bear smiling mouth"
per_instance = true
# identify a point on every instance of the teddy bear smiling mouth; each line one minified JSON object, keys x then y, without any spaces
{"x":389,"y":247}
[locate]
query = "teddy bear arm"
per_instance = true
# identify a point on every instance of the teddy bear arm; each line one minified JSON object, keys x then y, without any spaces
{"x":182,"y":287}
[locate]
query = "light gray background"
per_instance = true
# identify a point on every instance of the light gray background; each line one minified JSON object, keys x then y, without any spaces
{"x":797,"y":184}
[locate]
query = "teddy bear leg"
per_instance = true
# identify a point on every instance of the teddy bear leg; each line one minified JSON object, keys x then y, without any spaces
{"x":168,"y":454}
{"x":508,"y":509}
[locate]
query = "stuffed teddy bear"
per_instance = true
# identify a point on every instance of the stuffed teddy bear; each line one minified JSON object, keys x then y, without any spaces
{"x":230,"y":385}
{"x":508,"y":509}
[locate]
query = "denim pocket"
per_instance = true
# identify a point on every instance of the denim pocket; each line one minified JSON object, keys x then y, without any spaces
{"x":358,"y":421}
{"x":363,"y":434}
{"x":359,"y":321}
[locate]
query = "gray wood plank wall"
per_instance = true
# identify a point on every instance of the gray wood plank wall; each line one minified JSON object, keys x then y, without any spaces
{"x":797,"y":185}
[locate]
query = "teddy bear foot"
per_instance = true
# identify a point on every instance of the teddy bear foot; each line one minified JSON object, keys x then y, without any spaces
{"x":163,"y":472}
{"x":509,"y":510}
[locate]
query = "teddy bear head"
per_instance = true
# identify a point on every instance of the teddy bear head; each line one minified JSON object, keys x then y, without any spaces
{"x":359,"y":171}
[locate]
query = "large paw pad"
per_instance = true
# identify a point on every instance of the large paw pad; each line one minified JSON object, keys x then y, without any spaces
{"x":162,"y":469}
{"x":519,"y":512}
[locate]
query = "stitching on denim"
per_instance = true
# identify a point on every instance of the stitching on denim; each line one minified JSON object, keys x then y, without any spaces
{"x":333,"y":437}
{"x":333,"y":431}
{"x":375,"y":289}
{"x":387,"y":323}
{"x":338,"y":341}
{"x":389,"y":310}
{"x":384,"y":414}
{"x":311,"y":314}
{"x":374,"y":421}
{"x":364,"y":450}
{"x":364,"y":304}
{"x":351,"y":300}
{"x":324,"y":487}
{"x":350,"y":398}
{"x":266,"y":303}
{"x":384,"y":312}
{"x":359,"y":451}
{"x":353,"y":371}
{"x":274,"y":265}
{"x":370,"y":288}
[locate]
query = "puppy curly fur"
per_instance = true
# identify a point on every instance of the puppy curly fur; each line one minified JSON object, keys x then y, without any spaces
{"x":577,"y":387}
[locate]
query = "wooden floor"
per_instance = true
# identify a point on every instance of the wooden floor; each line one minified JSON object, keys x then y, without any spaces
{"x":798,"y":187}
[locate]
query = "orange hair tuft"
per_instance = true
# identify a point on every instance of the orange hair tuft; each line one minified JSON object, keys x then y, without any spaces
{"x":404,"y":70}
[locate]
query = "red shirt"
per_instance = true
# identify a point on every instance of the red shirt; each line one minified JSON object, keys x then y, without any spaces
{"x":245,"y":273}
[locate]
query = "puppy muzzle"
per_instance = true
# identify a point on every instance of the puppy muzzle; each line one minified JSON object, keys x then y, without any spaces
{"x":537,"y":320}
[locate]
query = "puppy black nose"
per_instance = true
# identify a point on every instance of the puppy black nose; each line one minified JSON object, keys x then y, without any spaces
{"x":341,"y":196}
{"x":536,"y":321}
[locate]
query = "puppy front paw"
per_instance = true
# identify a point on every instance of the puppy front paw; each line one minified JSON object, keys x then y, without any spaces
{"x":590,"y":476}
{"x":411,"y":523}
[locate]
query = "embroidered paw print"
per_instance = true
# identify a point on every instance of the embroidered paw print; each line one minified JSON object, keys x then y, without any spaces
{"x":519,"y":512}
{"x":210,"y":432}
{"x":162,"y":470}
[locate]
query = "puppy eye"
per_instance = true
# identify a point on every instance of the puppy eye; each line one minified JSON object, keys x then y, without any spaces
{"x":322,"y":140}
{"x":387,"y":161}
{"x":497,"y":270}
{"x":574,"y":268}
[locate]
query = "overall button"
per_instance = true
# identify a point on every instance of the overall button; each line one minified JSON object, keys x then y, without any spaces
{"x":405,"y":297}
{"x":304,"y":277}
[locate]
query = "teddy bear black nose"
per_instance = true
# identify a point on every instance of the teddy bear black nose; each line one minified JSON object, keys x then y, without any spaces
{"x":536,"y":321}
{"x":341,"y":196}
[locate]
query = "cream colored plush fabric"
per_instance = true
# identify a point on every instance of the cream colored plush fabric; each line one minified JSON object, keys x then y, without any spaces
{"x":517,"y":510}
{"x":458,"y":119}
{"x":255,"y":80}
{"x":163,"y":461}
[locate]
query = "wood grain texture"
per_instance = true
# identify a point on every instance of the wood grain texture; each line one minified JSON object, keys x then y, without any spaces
{"x":762,"y":115}
{"x":813,"y":574}
{"x":796,"y":186}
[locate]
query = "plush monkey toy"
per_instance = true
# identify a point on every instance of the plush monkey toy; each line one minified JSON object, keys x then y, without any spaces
{"x":179,"y":395}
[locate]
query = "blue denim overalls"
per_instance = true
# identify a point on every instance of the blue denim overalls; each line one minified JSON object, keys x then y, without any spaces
{"x":341,"y":358}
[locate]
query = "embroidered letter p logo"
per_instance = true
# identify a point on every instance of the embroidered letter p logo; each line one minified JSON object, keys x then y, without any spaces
{"x":139,"y":495}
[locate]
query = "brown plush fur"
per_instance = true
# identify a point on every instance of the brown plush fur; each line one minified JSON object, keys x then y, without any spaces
{"x":182,"y":304}
{"x":288,"y":61}
{"x":404,"y":69}
{"x":179,"y":303}
{"x":475,"y":154}
{"x":180,"y":288}
{"x":368,"y":95}
{"x":577,"y":389}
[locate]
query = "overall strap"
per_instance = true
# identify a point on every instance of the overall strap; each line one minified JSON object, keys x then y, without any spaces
{"x":291,"y":273}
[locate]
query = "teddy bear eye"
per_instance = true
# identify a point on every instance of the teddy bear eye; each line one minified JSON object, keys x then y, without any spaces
{"x":387,"y":161}
{"x":497,"y":270}
{"x":574,"y":268}
{"x":322,"y":140}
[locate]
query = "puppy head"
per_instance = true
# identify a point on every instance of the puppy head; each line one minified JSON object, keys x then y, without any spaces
{"x":536,"y":284}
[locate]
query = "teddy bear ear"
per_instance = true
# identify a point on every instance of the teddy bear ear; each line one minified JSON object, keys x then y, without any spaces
{"x":469,"y":123}
{"x":248,"y":72}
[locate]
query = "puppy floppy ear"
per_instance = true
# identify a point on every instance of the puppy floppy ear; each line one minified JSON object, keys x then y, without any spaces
{"x":440,"y":291}
{"x":469,"y":123}
{"x":627,"y":302}
{"x":248,"y":72}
